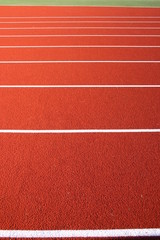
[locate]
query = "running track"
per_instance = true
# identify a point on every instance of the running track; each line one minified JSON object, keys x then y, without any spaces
{"x":80,"y":122}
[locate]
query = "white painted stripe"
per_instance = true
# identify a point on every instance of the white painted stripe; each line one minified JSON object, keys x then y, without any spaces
{"x":148,"y":232}
{"x":75,"y":35}
{"x":70,"y":17}
{"x":80,"y":86}
{"x":50,"y":28}
{"x":44,"y":22}
{"x":81,"y":46}
{"x":70,"y":61}
{"x":57,"y":131}
{"x":81,"y":131}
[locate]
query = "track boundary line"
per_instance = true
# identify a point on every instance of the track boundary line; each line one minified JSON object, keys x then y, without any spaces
{"x":73,"y":35}
{"x":70,"y":17}
{"x":74,"y":61}
{"x":74,"y":131}
{"x":148,"y":232}
{"x":50,"y":28}
{"x":80,"y":86}
{"x":46,"y":22}
{"x":80,"y":46}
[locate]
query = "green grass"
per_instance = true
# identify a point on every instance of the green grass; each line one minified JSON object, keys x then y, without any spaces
{"x":145,"y":3}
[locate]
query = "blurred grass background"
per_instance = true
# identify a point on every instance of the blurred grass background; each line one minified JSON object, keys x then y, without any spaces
{"x":151,"y":3}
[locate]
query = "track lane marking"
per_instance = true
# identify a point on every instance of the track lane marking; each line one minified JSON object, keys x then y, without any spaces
{"x":68,"y":17}
{"x":75,"y":35}
{"x":80,"y":46}
{"x":74,"y":131}
{"x":73,"y":61}
{"x":79,"y":86}
{"x":148,"y":232}
{"x":46,"y":22}
{"x":39,"y":28}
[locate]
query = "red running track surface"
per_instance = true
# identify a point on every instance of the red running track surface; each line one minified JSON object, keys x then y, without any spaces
{"x":80,"y":31}
{"x":79,"y":108}
{"x":79,"y":181}
{"x":80,"y":73}
{"x":25,"y":40}
{"x":14,"y":11}
{"x":82,"y":54}
{"x":91,"y":23}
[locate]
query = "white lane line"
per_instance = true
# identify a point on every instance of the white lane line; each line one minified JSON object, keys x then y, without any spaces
{"x":72,"y":61}
{"x":57,"y":131}
{"x":70,"y":17}
{"x":75,"y":35}
{"x":50,"y":28}
{"x":80,"y":86}
{"x":80,"y":131}
{"x":81,"y":46}
{"x":46,"y":22}
{"x":148,"y":232}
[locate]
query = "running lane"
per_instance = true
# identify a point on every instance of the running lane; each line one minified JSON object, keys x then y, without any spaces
{"x":42,"y":39}
{"x":77,"y":23}
{"x":80,"y":31}
{"x":79,"y":108}
{"x":83,"y":54}
{"x":80,"y":73}
{"x":81,"y":181}
{"x":14,"y":11}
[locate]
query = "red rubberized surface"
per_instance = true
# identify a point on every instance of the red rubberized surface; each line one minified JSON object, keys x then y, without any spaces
{"x":78,"y":40}
{"x":79,"y":181}
{"x":80,"y":73}
{"x":80,"y":31}
{"x":95,"y":181}
{"x":76,"y":11}
{"x":79,"y":108}
{"x":88,"y":54}
{"x":93,"y":23}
